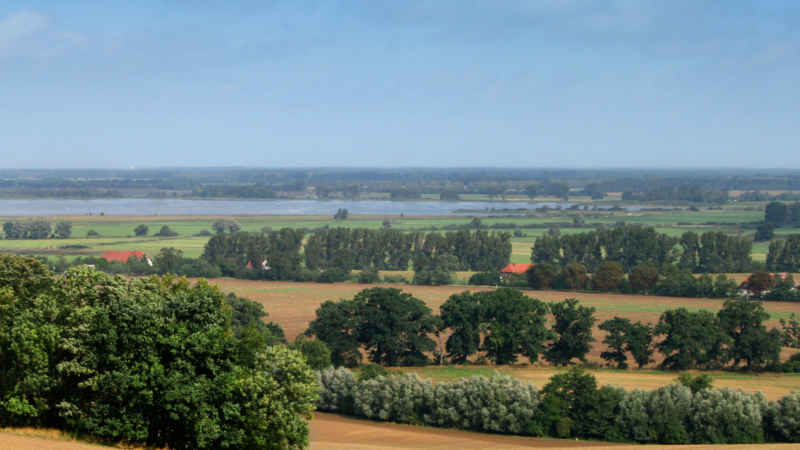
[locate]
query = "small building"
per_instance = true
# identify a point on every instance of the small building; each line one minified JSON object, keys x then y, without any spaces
{"x":514,"y":269}
{"x":744,"y":286}
{"x":124,"y":256}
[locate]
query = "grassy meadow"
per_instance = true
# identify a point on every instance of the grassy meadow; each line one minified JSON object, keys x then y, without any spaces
{"x":116,"y":232}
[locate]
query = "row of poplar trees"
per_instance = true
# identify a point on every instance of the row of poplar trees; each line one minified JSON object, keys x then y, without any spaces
{"x":632,"y":245}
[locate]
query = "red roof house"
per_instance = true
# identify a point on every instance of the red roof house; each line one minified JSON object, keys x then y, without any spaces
{"x":123,"y":256}
{"x":515,"y":269}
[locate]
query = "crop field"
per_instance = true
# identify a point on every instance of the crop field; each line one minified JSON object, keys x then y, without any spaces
{"x":293,"y":306}
{"x":334,"y":432}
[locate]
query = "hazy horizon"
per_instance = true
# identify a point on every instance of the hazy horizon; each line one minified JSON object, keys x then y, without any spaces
{"x":521,"y":84}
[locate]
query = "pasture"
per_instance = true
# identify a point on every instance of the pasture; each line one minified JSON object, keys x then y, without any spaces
{"x":116,"y":232}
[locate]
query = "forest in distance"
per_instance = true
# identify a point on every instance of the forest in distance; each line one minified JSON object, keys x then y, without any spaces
{"x":688,"y":186}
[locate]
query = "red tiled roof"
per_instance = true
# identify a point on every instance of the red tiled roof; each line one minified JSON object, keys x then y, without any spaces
{"x":121,"y":256}
{"x":516,"y":268}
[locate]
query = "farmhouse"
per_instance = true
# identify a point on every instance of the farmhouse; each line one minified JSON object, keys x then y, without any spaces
{"x":746,"y":289}
{"x":123,"y":256}
{"x":514,"y":269}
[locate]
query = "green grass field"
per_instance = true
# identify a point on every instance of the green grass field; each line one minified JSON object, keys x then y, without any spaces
{"x":116,"y":232}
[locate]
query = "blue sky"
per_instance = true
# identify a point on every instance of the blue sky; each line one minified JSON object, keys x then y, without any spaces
{"x":547,"y":83}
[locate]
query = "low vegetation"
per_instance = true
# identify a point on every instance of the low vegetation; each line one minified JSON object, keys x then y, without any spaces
{"x":570,"y":405}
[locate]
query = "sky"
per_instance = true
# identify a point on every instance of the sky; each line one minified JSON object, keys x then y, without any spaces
{"x":441,"y":83}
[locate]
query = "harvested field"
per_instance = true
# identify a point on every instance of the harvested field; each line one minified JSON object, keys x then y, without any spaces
{"x":333,"y":432}
{"x":293,"y":306}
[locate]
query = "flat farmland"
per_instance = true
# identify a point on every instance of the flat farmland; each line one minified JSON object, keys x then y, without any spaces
{"x":334,"y":432}
{"x":116,"y":232}
{"x":293,"y":306}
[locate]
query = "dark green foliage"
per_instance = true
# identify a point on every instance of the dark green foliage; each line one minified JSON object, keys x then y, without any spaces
{"x":245,"y":254}
{"x":484,"y":279}
{"x":341,"y":214}
{"x":92,"y":233}
{"x":573,"y":276}
{"x":359,"y":248}
{"x":573,"y":406}
{"x":569,"y":406}
{"x":782,"y":214}
{"x":333,"y":275}
{"x":514,"y":325}
{"x":63,"y":230}
{"x":470,"y":250}
{"x":692,"y":340}
{"x":643,"y":278}
{"x":166,"y":231}
{"x":616,"y":340}
{"x":145,"y":361}
{"x":169,"y":260}
{"x":394,"y":326}
{"x":37,"y":229}
{"x":370,"y":371}
{"x":541,"y":275}
{"x":368,"y":276}
{"x":608,"y":276}
{"x":433,"y":276}
{"x":640,"y":343}
{"x":253,"y":334}
{"x":573,"y":328}
{"x":784,"y":254}
{"x":337,"y":324}
{"x":676,"y":282}
{"x":627,"y":245}
{"x":316,"y":352}
{"x":462,"y":314}
{"x":223,"y":225}
{"x":742,"y":320}
{"x":696,"y":383}
{"x":141,"y":230}
{"x":764,"y":232}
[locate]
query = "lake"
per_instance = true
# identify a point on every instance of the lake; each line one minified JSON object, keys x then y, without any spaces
{"x":164,"y":207}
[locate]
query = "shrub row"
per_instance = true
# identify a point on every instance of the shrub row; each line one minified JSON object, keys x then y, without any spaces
{"x":570,"y":405}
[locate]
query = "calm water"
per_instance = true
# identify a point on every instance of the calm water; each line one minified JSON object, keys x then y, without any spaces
{"x":254,"y":207}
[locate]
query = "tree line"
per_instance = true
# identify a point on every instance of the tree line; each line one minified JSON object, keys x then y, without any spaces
{"x":501,"y":326}
{"x":633,"y":245}
{"x":36,"y":229}
{"x":781,"y":214}
{"x":570,"y":405}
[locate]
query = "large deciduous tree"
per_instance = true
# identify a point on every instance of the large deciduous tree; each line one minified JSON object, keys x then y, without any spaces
{"x":573,"y":328}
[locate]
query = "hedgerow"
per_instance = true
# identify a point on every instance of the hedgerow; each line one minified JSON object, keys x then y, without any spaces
{"x":570,"y":406}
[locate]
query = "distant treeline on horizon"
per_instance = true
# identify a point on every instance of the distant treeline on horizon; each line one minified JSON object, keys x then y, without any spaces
{"x":648,"y":185}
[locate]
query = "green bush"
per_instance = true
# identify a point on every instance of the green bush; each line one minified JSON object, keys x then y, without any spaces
{"x":782,"y":419}
{"x":333,"y":275}
{"x":370,"y":371}
{"x":724,"y":416}
{"x":176,"y":376}
{"x":484,"y":279}
{"x":316,"y":352}
{"x":336,"y":390}
{"x":368,"y":276}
